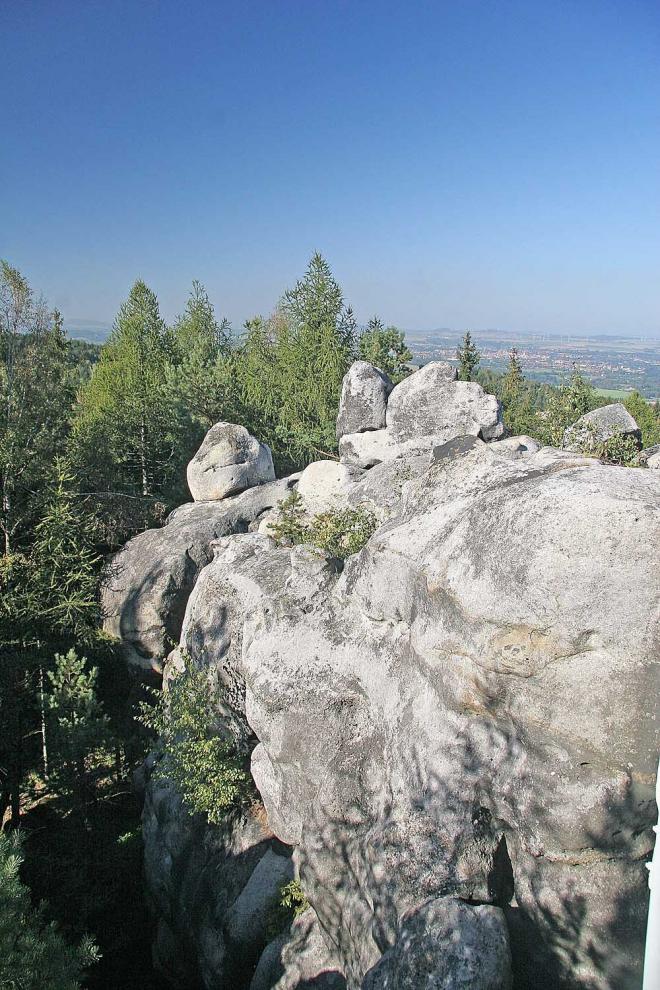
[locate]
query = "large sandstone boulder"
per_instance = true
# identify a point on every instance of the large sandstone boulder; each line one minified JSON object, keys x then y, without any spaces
{"x":363,"y":401}
{"x":324,"y":485}
{"x":147,"y":584}
{"x":600,"y":425}
{"x":432,"y":402}
{"x":229,"y":460}
{"x":200,"y":880}
{"x":464,"y":714}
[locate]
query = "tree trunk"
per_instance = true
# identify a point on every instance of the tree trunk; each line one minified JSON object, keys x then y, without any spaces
{"x":44,"y":746}
{"x":143,"y":455}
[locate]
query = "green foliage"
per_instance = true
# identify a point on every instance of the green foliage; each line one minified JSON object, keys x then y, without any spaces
{"x":571,"y":400}
{"x":205,"y":767}
{"x":123,"y":429}
{"x":617,"y":449}
{"x":468,"y":358}
{"x":340,"y":532}
{"x":517,"y":399}
{"x":64,"y":568}
{"x":647,"y":417}
{"x":77,"y":725}
{"x":386,"y":349}
{"x":292,"y":902}
{"x":36,"y":392}
{"x":33,"y":954}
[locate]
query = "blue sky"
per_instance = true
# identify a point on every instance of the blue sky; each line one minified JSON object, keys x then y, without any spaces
{"x":461,"y":164}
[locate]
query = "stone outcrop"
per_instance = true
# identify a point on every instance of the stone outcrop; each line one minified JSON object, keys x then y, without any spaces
{"x":363,"y":401}
{"x":147,"y":584}
{"x":432,"y":402}
{"x":455,"y":731}
{"x":301,"y":958}
{"x":228,"y":461}
{"x":650,"y":457}
{"x":423,"y":411}
{"x":600,"y":425}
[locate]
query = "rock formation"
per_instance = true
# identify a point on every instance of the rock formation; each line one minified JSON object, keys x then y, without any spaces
{"x":228,"y":461}
{"x":454,"y":734}
{"x":363,"y":401}
{"x":600,"y":425}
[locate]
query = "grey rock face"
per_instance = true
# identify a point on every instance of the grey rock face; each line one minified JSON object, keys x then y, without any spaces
{"x":447,"y":945}
{"x":516,"y":447}
{"x":195,"y":875}
{"x":650,"y":456}
{"x":300,"y":960}
{"x":600,"y":425}
{"x":466,"y":712}
{"x":431,"y":402}
{"x":228,"y":461}
{"x":363,"y":401}
{"x":423,"y":411}
{"x":147,"y":584}
{"x":246,"y":921}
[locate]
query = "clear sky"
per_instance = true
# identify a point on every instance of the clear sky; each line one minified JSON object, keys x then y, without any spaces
{"x":460,"y":164}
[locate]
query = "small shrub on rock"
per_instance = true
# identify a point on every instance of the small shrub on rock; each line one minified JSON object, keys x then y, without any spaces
{"x":617,"y":449}
{"x":340,"y":532}
{"x":292,"y":902}
{"x":205,"y":767}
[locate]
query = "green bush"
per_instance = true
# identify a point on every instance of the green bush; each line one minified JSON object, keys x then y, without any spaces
{"x":292,"y":901}
{"x":206,"y":768}
{"x":339,"y":532}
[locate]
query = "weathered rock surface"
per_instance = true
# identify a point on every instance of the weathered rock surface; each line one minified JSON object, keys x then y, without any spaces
{"x":423,"y":411}
{"x":431,"y":402}
{"x":515,"y":447}
{"x":447,"y":945}
{"x":599,"y":425}
{"x":466,"y":713}
{"x":302,"y":959}
{"x":363,"y":401}
{"x":246,"y":921}
{"x":197,"y":877}
{"x":650,"y":456}
{"x":324,"y":485}
{"x":147,"y":584}
{"x":229,"y":460}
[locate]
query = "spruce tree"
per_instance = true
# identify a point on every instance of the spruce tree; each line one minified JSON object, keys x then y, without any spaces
{"x":123,"y":436}
{"x":33,"y":953}
{"x":36,"y":394}
{"x":77,"y":726}
{"x":315,"y":344}
{"x":468,"y":358}
{"x":200,"y":378}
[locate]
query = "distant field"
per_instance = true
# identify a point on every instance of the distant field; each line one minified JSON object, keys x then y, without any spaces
{"x":613,"y":393}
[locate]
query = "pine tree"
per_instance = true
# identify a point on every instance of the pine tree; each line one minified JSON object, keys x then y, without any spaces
{"x":123,"y":437}
{"x":36,"y":394}
{"x":468,"y":358}
{"x":77,"y":725}
{"x":33,"y":954}
{"x":385,"y":348}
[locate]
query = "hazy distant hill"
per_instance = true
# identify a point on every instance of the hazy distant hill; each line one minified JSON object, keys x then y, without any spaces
{"x":90,"y":330}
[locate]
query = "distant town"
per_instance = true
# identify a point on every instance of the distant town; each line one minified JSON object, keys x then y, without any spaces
{"x":615,"y":365}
